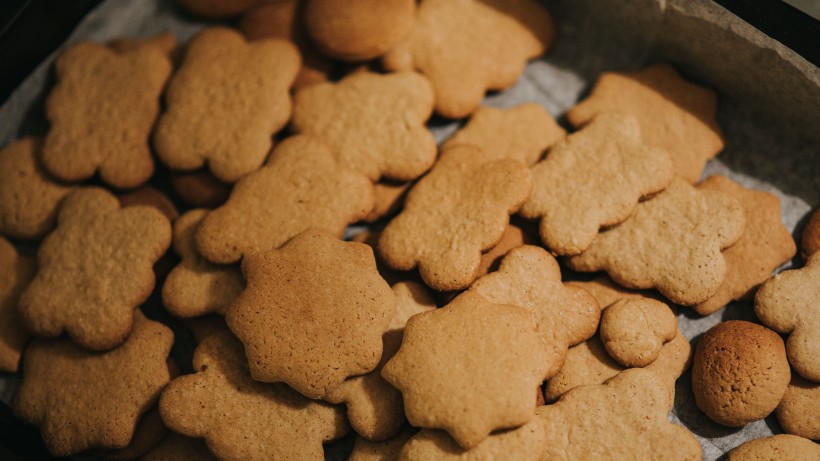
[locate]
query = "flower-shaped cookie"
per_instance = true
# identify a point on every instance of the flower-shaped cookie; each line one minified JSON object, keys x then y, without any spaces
{"x":455,"y":212}
{"x":634,"y":330}
{"x":373,"y":123}
{"x":671,"y":242}
{"x":16,"y":272}
{"x":301,"y":187}
{"x":225,"y":102}
{"x":83,"y":399}
{"x":453,"y":377}
{"x":466,"y":47}
{"x":529,"y":277}
{"x":242,"y":419}
{"x":675,"y":115}
{"x":94,"y":269}
{"x":626,"y":418}
{"x":28,"y":195}
{"x":195,"y":286}
{"x":765,"y":244}
{"x":594,"y":179}
{"x":789,"y":303}
{"x":313,"y":312}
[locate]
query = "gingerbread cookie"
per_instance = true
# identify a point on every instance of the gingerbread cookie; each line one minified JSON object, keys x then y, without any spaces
{"x":373,"y":123}
{"x":102,"y":111}
{"x":195,"y":286}
{"x":325,"y":309}
{"x":789,"y":303}
{"x":593,"y":180}
{"x":388,"y":199}
{"x":607,"y":292}
{"x":16,"y":272}
{"x":632,"y":408}
{"x":445,"y":353}
{"x":672,"y":242}
{"x":810,"y":238}
{"x":529,"y":277}
{"x":781,"y":447}
{"x":388,"y":450}
{"x":243,"y":89}
{"x":176,"y":447}
{"x":521,"y":133}
{"x":301,"y":187}
{"x":675,"y":115}
{"x":94,"y":269}
{"x":765,"y":244}
{"x":147,"y":435}
{"x":29,"y":196}
{"x":150,"y":196}
{"x":216,"y":9}
{"x":633,"y":331}
{"x":488,"y":44}
{"x":200,"y":188}
{"x":61,"y":380}
{"x":799,"y":408}
{"x":202,"y":327}
{"x":358,"y":30}
{"x":739,"y":372}
{"x":515,"y":235}
{"x":240,"y":418}
{"x":453,"y":214}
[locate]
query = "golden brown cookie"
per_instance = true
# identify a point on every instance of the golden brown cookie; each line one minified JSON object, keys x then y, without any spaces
{"x":789,"y":303}
{"x":195,"y":286}
{"x":388,"y":199}
{"x":739,"y":372}
{"x":301,"y":187}
{"x":29,"y":196}
{"x":94,"y":269}
{"x":452,"y":377}
{"x":799,"y":408}
{"x":101,"y":111}
{"x":200,"y":188}
{"x":633,"y":331}
{"x":242,"y":419}
{"x":81,"y":399}
{"x":148,"y":434}
{"x":810,"y":238}
{"x":176,"y":447}
{"x":457,"y":211}
{"x":608,"y":292}
{"x":16,"y":272}
{"x":675,"y":115}
{"x":373,"y":123}
{"x":358,"y":30}
{"x":488,"y":45}
{"x":521,"y":133}
{"x":765,"y":244}
{"x":388,"y":450}
{"x":529,"y":277}
{"x":150,"y":196}
{"x":626,"y":418}
{"x":671,"y":242}
{"x":313,"y":312}
{"x":244,"y":90}
{"x":780,"y":447}
{"x":216,"y":9}
{"x":514,"y":237}
{"x":593,"y":180}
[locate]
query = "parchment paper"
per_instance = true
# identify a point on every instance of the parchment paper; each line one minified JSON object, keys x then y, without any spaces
{"x":769,"y":110}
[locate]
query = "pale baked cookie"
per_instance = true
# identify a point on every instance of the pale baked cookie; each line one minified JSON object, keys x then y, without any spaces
{"x":388,"y":199}
{"x":626,"y":418}
{"x":488,"y":43}
{"x":671,"y":242}
{"x":300,"y":187}
{"x":94,"y":269}
{"x":81,"y":399}
{"x":529,"y":277}
{"x":195,"y":286}
{"x":522,"y":133}
{"x":789,"y":303}
{"x":453,"y":377}
{"x":313,"y":313}
{"x":608,"y":292}
{"x":739,"y":372}
{"x":244,"y":90}
{"x":29,"y":196}
{"x":675,"y":115}
{"x":633,"y":331}
{"x":781,"y":447}
{"x":765,"y":244}
{"x":240,"y":418}
{"x":16,"y":271}
{"x":373,"y":123}
{"x":515,"y":235}
{"x":799,"y":408}
{"x":593,"y":180}
{"x":457,"y":211}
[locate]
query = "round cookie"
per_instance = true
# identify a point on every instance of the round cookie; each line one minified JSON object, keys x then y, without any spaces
{"x":739,"y":373}
{"x":799,"y":410}
{"x":358,"y":30}
{"x":781,"y":447}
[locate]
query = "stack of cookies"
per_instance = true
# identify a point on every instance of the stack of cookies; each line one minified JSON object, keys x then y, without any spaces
{"x":444,"y":330}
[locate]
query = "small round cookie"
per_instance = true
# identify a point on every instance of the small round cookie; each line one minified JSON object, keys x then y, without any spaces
{"x":358,"y":30}
{"x":799,"y":410}
{"x":739,"y":373}
{"x":634,"y":330}
{"x":810,"y":239}
{"x":781,"y":447}
{"x":200,"y":188}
